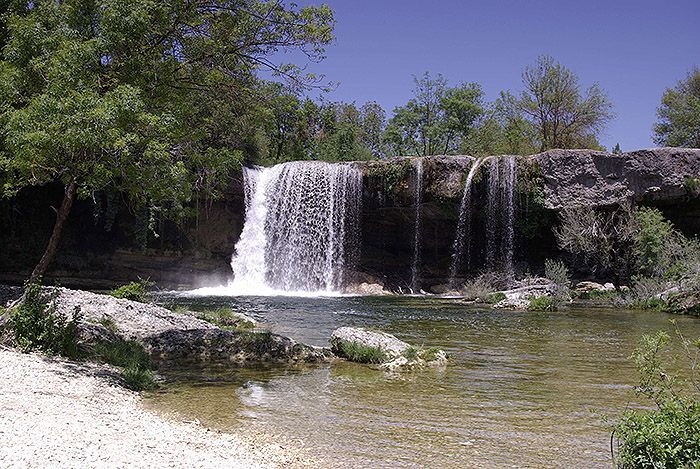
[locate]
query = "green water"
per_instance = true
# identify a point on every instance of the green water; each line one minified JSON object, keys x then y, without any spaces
{"x":523,"y":389}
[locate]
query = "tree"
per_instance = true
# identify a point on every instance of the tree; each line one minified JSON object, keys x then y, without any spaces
{"x":436,"y":119}
{"x":123,"y":94}
{"x":553,"y":103}
{"x":679,"y":114}
{"x":617,"y":150}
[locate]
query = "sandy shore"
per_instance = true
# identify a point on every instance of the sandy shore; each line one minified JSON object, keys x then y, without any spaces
{"x":60,"y":413}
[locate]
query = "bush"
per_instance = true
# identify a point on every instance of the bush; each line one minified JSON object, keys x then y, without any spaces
{"x":134,"y":291}
{"x":360,"y":353}
{"x":541,"y":303}
{"x":36,"y":325}
{"x":138,"y":379}
{"x":652,"y":235}
{"x":557,"y":272}
{"x":478,"y":288}
{"x":667,"y":436}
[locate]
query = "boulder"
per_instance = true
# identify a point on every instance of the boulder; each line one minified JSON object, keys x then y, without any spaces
{"x":513,"y":303}
{"x":371,"y":289}
{"x":528,"y":291}
{"x":588,"y":287}
{"x":387,"y":343}
{"x":383,"y":350}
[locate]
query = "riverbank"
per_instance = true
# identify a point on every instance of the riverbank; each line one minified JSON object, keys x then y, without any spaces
{"x":55,"y":412}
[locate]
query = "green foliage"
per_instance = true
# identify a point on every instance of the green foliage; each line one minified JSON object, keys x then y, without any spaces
{"x":494,"y":298}
{"x":411,"y":353}
{"x":652,"y":234}
{"x":436,"y":119}
{"x":138,"y":379}
{"x":131,"y":359}
{"x":692,"y":186}
{"x":225,"y":318}
{"x":430,"y":354}
{"x":679,"y":114}
{"x":667,"y":436}
{"x":617,"y":150}
{"x":159,"y":101}
{"x":359,"y":353}
{"x":37,"y":325}
{"x":134,"y":291}
{"x":541,"y":303}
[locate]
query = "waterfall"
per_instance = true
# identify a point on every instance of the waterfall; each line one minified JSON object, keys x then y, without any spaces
{"x":415,"y":264}
{"x":500,"y":230}
{"x":301,"y":225}
{"x":462,"y":243}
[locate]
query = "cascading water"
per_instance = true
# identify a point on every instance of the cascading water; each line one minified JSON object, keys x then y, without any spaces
{"x":300,"y":228}
{"x":462,"y":244}
{"x":500,"y":231}
{"x":415,"y":264}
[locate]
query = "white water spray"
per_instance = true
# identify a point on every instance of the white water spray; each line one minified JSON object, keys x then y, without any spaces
{"x":417,"y":230}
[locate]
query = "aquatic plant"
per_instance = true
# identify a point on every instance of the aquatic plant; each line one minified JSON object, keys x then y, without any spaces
{"x":541,"y":303}
{"x":356,"y":352}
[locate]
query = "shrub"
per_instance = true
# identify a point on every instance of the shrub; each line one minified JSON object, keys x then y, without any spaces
{"x":478,"y":288}
{"x":37,"y":325}
{"x":138,"y":379}
{"x":134,"y":291}
{"x":557,"y":272}
{"x":541,"y":303}
{"x":360,"y":353}
{"x":667,"y":436}
{"x":652,"y":233}
{"x":599,"y":239}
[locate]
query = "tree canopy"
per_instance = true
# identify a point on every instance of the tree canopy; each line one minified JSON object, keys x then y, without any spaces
{"x":679,"y":114}
{"x":136,"y":95}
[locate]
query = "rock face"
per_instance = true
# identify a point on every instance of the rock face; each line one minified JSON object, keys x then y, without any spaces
{"x":100,"y":252}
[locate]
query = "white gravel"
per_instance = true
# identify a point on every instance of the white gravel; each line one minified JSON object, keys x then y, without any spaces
{"x":57,"y":413}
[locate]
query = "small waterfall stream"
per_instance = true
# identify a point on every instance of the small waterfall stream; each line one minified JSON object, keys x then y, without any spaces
{"x":462,"y":245}
{"x":417,"y":229}
{"x":500,"y":218}
{"x":500,"y":230}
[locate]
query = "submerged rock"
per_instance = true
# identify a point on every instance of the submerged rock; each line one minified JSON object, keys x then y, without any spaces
{"x":221,"y":346}
{"x":382,"y":349}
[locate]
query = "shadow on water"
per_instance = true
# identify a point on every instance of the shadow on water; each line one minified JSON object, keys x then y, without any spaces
{"x":522,"y":388}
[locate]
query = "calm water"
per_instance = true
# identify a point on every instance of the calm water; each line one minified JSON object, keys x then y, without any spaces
{"x":522,"y":389}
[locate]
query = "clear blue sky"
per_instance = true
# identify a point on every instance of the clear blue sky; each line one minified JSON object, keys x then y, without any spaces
{"x":633,"y":49}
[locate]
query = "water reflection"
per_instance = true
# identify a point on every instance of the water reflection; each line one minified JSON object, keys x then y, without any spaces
{"x":522,"y":389}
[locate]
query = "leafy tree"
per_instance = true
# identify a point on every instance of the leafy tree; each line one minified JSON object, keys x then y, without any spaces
{"x":436,"y":119}
{"x":679,"y":114}
{"x":128,"y":95}
{"x":553,"y":103}
{"x":502,"y":130}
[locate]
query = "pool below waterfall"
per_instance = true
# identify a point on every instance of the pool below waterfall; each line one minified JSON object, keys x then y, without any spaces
{"x":522,"y":389}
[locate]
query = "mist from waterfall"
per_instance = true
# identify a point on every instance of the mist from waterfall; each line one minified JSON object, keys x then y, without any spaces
{"x":300,"y":231}
{"x":417,"y":227}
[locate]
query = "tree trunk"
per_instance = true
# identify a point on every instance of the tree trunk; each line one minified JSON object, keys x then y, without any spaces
{"x":52,"y":247}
